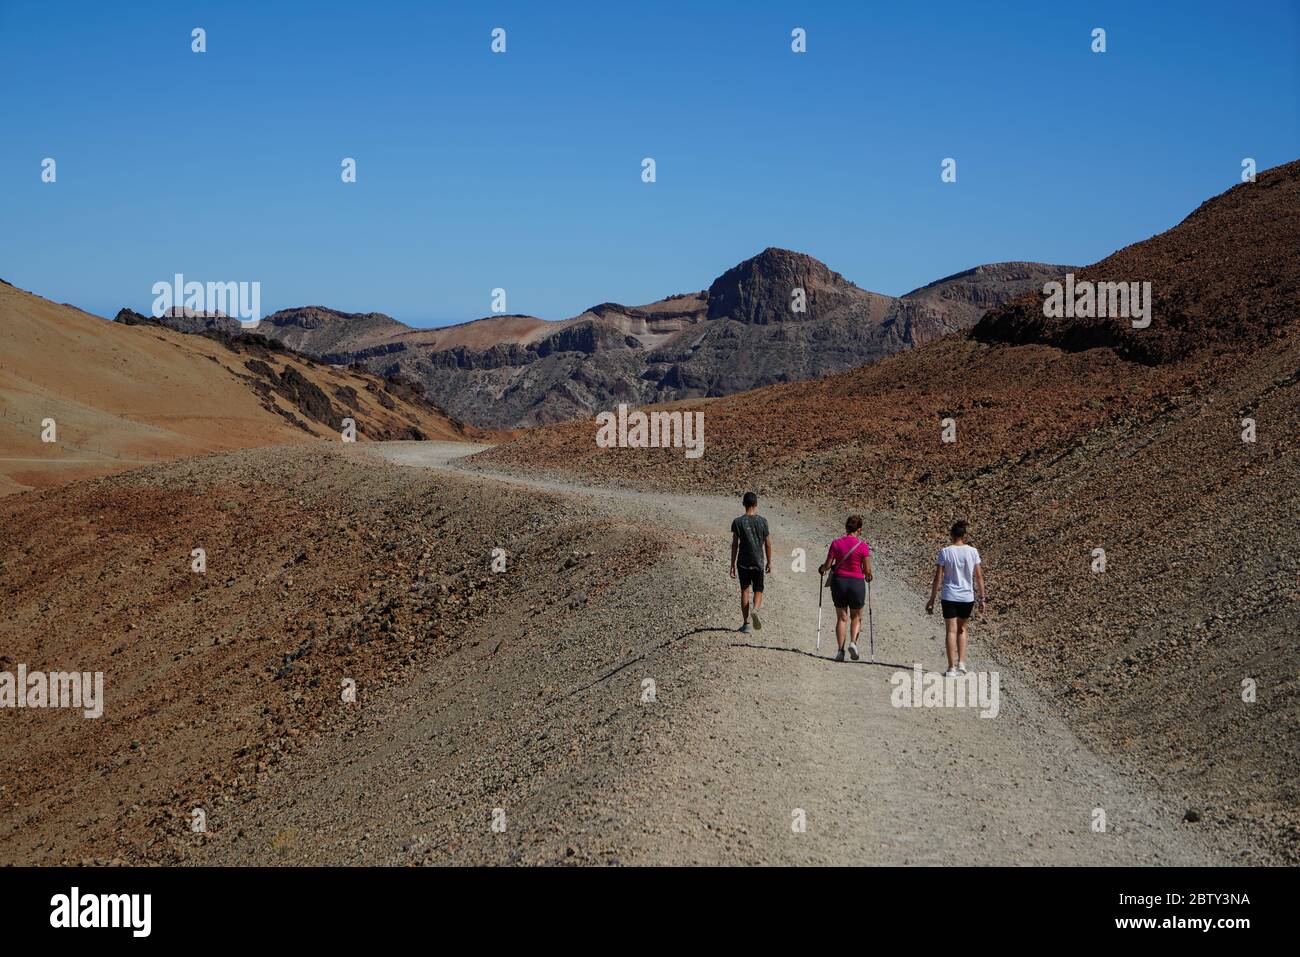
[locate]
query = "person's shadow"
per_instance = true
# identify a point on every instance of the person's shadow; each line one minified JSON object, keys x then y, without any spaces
{"x":733,"y":644}
{"x":645,"y":654}
{"x":816,"y":655}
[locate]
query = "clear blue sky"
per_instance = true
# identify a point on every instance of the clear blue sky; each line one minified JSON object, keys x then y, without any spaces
{"x":523,"y":170}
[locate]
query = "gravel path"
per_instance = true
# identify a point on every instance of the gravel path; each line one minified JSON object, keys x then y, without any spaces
{"x":766,"y":732}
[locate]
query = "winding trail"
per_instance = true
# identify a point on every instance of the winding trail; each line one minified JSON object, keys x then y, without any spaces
{"x":777,"y":731}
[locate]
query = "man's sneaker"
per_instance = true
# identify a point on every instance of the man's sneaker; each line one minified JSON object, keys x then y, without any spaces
{"x":839,"y":655}
{"x":753,"y":616}
{"x":853,"y":650}
{"x":950,"y":673}
{"x":744,"y":629}
{"x":962,"y":669}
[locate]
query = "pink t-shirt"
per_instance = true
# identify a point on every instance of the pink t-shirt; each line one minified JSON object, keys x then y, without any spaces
{"x":855,"y":565}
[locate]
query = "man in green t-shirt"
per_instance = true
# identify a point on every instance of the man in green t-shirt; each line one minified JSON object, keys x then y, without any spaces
{"x":751,"y":555}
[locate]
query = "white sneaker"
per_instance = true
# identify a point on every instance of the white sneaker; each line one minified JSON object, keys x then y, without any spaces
{"x":950,"y":673}
{"x":853,"y":650}
{"x":962,"y":669}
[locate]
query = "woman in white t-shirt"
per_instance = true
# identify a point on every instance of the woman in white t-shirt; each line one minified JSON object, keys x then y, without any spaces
{"x":957,"y":568}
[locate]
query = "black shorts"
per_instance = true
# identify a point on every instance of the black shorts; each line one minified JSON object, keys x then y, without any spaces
{"x":750,"y":577}
{"x":957,"y":609}
{"x":848,"y":592}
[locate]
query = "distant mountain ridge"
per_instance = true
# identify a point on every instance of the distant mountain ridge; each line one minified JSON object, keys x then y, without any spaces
{"x":780,"y":316}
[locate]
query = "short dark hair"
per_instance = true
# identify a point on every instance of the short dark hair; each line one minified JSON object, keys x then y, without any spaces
{"x":958,"y":529}
{"x":750,"y":500}
{"x":852,"y":523}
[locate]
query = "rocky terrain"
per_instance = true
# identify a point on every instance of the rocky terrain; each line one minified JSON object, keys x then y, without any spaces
{"x":744,"y":331}
{"x":1141,"y":557}
{"x":589,"y":704}
{"x":318,"y":570}
{"x":1075,"y":436}
{"x":123,"y":393}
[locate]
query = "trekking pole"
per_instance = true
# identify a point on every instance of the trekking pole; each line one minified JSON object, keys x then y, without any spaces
{"x":819,"y":612}
{"x":871,"y":624}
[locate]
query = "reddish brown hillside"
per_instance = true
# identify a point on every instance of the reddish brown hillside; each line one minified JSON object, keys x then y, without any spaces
{"x":1061,"y":451}
{"x":1228,"y":274}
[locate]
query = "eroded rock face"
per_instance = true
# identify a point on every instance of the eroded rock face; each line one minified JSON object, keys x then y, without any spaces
{"x":182,"y":320}
{"x":761,"y":290}
{"x":318,"y":331}
{"x":745,"y":331}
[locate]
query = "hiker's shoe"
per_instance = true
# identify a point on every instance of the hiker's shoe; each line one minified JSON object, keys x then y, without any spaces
{"x":839,"y":655}
{"x":744,"y":629}
{"x":853,"y":650}
{"x":950,"y":673}
{"x":753,"y":616}
{"x":962,"y":669}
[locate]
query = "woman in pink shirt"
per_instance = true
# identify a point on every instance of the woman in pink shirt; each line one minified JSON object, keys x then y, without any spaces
{"x":850,"y":559}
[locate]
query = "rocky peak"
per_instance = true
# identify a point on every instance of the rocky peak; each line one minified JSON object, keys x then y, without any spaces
{"x":316,"y":317}
{"x":760,"y":289}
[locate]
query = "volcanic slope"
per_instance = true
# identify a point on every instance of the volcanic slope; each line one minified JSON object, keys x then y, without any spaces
{"x":1134,"y":494}
{"x":124,"y":393}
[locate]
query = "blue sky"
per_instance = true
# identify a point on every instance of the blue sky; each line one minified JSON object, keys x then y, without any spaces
{"x":523,"y":170}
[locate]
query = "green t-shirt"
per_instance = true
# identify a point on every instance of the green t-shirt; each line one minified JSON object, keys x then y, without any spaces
{"x":752,"y":530}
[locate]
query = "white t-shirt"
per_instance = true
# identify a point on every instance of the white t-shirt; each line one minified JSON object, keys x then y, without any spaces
{"x":958,"y":563}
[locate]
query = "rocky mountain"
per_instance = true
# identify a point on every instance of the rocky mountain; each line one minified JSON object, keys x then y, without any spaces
{"x":780,"y":316}
{"x":316,"y":330}
{"x":1133,"y":491}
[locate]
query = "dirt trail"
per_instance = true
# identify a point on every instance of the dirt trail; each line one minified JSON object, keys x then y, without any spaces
{"x":773,"y":728}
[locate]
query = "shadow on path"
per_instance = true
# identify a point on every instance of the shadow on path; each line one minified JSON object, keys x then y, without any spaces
{"x":817,"y":655}
{"x":645,"y":654}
